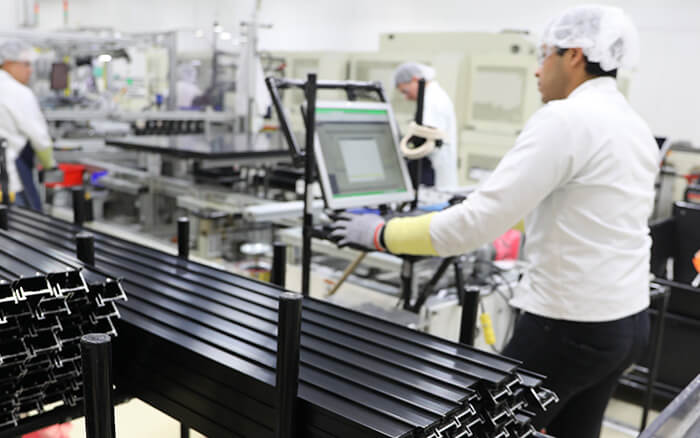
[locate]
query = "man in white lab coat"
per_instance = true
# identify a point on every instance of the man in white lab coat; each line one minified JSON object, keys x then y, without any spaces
{"x":187,"y":88}
{"x":438,"y":112}
{"x":22,"y":124}
{"x":582,"y":174}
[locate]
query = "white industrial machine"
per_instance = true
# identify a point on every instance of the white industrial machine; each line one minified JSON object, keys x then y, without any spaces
{"x":326,"y":65}
{"x":680,"y":162}
{"x":490,"y":78}
{"x":499,"y":94}
{"x":381,"y":67}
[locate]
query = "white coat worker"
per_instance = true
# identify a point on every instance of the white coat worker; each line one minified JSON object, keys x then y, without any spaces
{"x":187,"y":88}
{"x":581,"y":173}
{"x":438,"y":112}
{"x":21,"y":122}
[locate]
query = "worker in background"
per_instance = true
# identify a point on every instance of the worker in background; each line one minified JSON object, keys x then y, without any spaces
{"x":21,"y":123}
{"x":187,"y":88}
{"x":440,"y":168}
{"x":582,"y":174}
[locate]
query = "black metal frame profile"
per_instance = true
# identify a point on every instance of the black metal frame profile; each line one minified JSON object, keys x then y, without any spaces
{"x":307,"y":156}
{"x":48,"y":300}
{"x":4,"y":178}
{"x":201,"y":344}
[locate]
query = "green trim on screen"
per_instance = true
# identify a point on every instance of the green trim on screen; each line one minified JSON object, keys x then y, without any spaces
{"x":379,"y":192}
{"x":350,"y":110}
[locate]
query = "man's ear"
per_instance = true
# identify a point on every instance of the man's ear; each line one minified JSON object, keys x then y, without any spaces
{"x":576,"y":57}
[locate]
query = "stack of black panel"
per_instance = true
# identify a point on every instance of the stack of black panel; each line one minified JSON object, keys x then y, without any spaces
{"x":200,"y":344}
{"x":46,"y":304}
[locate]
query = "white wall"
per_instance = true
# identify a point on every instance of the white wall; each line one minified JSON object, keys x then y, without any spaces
{"x":664,"y":91}
{"x":9,"y":14}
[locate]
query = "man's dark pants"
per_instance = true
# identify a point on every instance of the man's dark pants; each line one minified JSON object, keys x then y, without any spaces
{"x":582,"y":362}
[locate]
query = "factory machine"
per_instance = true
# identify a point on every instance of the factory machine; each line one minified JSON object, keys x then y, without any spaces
{"x":679,"y":176}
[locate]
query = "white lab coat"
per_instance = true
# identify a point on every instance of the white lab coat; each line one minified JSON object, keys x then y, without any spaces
{"x":439,"y":112}
{"x":20,"y":120}
{"x":186,"y":93}
{"x":583,"y":172}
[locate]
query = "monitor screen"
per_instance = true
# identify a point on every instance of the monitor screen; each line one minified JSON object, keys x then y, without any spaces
{"x":358,"y":157}
{"x":59,"y":76}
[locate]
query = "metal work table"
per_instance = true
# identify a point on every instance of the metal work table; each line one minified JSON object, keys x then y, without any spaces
{"x":210,"y":151}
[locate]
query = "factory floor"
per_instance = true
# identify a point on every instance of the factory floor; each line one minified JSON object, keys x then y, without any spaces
{"x":136,"y":419}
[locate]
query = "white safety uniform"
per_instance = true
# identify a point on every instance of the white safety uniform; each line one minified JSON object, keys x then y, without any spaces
{"x":21,"y":120}
{"x":583,"y":172}
{"x":186,"y":93}
{"x":439,"y":112}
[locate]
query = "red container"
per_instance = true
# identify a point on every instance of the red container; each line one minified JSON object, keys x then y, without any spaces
{"x":72,"y":175}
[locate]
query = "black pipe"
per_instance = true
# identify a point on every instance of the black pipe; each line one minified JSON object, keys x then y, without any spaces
{"x":406,"y":279}
{"x":284,"y":83}
{"x":78,"y":205}
{"x":184,"y":431}
{"x":288,"y":342}
{"x":85,"y":247}
{"x":276,"y":84}
{"x":183,"y":237}
{"x":279,"y":264}
{"x":89,"y":210}
{"x":96,"y":351}
{"x":429,"y":287}
{"x":4,"y":225}
{"x":4,"y":179}
{"x":663,"y":296}
{"x":420,"y":104}
{"x":309,"y":173}
{"x":272,"y":87}
{"x":470,"y":311}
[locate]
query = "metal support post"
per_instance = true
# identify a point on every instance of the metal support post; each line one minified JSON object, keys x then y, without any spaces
{"x":309,"y":177}
{"x":429,"y":287}
{"x":85,"y":247}
{"x":459,"y":279}
{"x":4,"y":178}
{"x":184,"y":431}
{"x":89,"y":210}
{"x":279,"y":264}
{"x":419,"y":120}
{"x":663,"y":295}
{"x":96,"y":350}
{"x":3,"y":217}
{"x":183,"y":237}
{"x":171,"y":47}
{"x":406,"y":279}
{"x":470,"y":311}
{"x":288,"y":341}
{"x":78,"y":205}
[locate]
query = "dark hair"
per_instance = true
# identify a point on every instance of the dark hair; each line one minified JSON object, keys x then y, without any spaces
{"x":592,"y":68}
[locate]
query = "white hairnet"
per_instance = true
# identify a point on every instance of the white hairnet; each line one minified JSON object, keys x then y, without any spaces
{"x":187,"y":73}
{"x":16,"y":50}
{"x":409,"y":70}
{"x":605,"y":33}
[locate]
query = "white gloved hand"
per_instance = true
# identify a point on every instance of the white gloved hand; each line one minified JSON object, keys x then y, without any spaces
{"x":358,"y":230}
